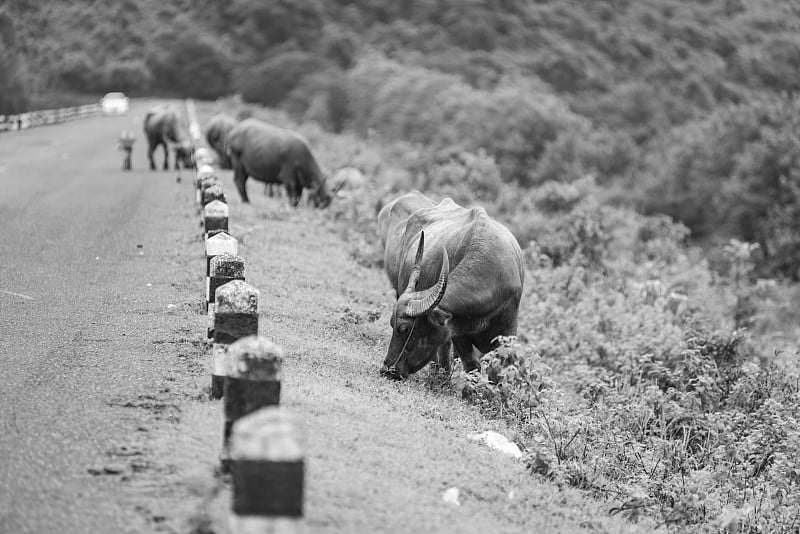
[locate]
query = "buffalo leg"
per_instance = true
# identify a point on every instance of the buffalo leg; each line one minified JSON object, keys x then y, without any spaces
{"x":294,"y":198}
{"x":150,"y":150}
{"x":470,"y":356}
{"x":177,"y":167}
{"x":293,"y":187}
{"x":166,"y":158}
{"x":293,"y":192}
{"x":239,"y":178}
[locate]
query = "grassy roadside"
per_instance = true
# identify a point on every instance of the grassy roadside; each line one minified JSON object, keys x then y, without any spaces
{"x":380,"y":454}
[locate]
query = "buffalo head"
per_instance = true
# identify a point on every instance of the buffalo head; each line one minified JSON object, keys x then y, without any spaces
{"x":183,"y":153}
{"x":419,"y":328}
{"x":320,"y":196}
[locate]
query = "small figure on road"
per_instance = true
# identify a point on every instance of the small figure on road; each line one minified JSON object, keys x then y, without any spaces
{"x":126,"y":141}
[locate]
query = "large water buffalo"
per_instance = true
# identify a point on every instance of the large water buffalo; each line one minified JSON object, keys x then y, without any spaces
{"x":457,"y":276}
{"x":162,"y":127}
{"x":217,"y":132}
{"x":271,"y":154}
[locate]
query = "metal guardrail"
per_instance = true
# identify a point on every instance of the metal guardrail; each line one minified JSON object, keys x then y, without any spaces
{"x":32,"y":119}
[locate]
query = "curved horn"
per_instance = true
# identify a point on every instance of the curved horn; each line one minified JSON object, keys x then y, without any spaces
{"x":414,"y":278}
{"x":430,"y":298}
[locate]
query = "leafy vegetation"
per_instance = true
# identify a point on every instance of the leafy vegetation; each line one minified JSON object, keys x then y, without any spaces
{"x":640,"y":374}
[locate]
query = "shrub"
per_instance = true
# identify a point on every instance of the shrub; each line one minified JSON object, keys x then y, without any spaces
{"x":13,"y":91}
{"x":262,"y":25}
{"x":271,"y":82}
{"x":465,"y":177}
{"x":321,"y":97}
{"x":575,"y":153}
{"x":77,"y":72}
{"x":341,"y":47}
{"x":191,"y":65}
{"x":736,"y":174}
{"x":513,"y":122}
{"x":130,"y":76}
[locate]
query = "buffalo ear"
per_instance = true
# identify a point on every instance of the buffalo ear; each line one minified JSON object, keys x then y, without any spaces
{"x":439,"y":316}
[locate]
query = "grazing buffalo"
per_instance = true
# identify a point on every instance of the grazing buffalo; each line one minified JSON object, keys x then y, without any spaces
{"x":217,"y":132}
{"x":162,"y":127}
{"x":271,"y":154}
{"x":457,"y":276}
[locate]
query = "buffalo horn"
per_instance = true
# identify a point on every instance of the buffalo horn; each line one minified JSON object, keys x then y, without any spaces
{"x":428,"y":299}
{"x":414,"y":278}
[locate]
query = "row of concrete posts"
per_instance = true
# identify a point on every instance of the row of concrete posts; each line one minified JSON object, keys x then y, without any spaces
{"x":262,"y":445}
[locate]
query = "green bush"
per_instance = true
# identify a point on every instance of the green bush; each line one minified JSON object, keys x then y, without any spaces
{"x":191,"y":65}
{"x":514,"y":122}
{"x":132,"y":76}
{"x":465,"y":177}
{"x":77,"y":72}
{"x":341,"y":47}
{"x":262,"y":25}
{"x":321,"y":97}
{"x":13,"y":92}
{"x":271,"y":82}
{"x":736,"y":174}
{"x":603,"y":153}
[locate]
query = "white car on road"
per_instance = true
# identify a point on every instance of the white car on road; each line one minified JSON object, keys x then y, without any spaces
{"x":115,"y":104}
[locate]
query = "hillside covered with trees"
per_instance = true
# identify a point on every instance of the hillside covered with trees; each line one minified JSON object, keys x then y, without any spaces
{"x":645,"y":153}
{"x":682,"y":108}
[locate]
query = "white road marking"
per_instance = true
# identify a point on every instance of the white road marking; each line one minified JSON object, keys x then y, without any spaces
{"x":16,"y":294}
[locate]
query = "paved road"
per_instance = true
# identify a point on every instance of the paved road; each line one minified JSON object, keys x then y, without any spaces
{"x":79,"y":325}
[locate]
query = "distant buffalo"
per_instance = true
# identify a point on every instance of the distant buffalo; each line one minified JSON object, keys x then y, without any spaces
{"x":275,"y":155}
{"x":457,"y":276}
{"x":217,"y":132}
{"x":162,"y":127}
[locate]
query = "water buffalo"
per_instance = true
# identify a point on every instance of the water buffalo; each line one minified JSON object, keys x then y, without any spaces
{"x":271,"y":154}
{"x":162,"y":127}
{"x":217,"y":132}
{"x":457,"y":276}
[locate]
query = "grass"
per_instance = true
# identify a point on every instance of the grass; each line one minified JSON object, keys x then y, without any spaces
{"x":380,"y":453}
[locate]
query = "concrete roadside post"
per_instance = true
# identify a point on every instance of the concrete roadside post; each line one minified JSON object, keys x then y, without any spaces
{"x":212,"y":193}
{"x":215,"y":217}
{"x":252,"y":381}
{"x":224,"y":268}
{"x":203,"y":156}
{"x":204,"y":172}
{"x":205,"y":184}
{"x":217,"y":244}
{"x":268,"y":469}
{"x":235,"y":317}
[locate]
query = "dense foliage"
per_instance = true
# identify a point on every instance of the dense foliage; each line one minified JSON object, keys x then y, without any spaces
{"x":675,"y":107}
{"x":13,"y":95}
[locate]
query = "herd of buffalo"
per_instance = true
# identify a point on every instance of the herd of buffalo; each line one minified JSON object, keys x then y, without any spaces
{"x":457,"y":273}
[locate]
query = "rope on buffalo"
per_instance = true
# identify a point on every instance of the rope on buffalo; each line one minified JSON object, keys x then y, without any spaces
{"x":393,"y":368}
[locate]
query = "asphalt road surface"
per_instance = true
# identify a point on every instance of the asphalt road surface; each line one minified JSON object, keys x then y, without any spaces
{"x":84,"y":287}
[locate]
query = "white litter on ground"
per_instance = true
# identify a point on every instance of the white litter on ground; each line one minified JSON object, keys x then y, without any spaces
{"x":498,"y":442}
{"x":450,"y":496}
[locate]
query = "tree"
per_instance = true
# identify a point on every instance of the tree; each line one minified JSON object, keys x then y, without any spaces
{"x":13,"y":90}
{"x":193,"y":66}
{"x":271,"y":81}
